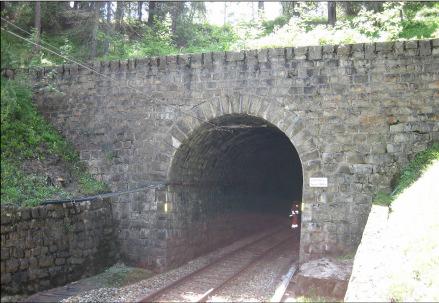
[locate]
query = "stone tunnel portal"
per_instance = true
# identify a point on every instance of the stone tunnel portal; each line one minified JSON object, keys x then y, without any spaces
{"x":233,"y":176}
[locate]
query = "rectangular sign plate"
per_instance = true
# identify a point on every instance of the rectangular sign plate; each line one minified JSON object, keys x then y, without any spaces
{"x":318,"y":182}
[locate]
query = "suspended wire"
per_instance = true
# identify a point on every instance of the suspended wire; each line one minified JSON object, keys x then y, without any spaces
{"x":98,"y":73}
{"x":41,"y":40}
{"x":152,"y":184}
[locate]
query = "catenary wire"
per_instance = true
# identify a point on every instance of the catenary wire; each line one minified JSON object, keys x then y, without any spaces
{"x":105,"y":76}
{"x":82,"y":64}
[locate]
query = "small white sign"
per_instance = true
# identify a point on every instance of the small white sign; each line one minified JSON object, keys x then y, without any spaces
{"x":318,"y":182}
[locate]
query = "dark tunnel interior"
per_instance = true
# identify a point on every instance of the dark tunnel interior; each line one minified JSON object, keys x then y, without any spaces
{"x":230,"y":177}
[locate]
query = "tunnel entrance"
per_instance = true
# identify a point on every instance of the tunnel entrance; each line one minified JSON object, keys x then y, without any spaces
{"x":230,"y":177}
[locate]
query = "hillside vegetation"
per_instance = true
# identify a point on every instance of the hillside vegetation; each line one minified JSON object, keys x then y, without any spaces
{"x":111,"y":31}
{"x":37,"y":163}
{"x":409,"y":174}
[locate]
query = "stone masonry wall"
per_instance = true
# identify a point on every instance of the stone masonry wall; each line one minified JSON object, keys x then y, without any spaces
{"x":48,"y":246}
{"x":355,"y":113}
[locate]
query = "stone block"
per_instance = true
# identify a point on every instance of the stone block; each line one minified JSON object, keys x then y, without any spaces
{"x":384,"y":47}
{"x":411,"y":44}
{"x":276,"y":52}
{"x":262,"y":55}
{"x":328,"y":51}
{"x":207,"y":58}
{"x":344,"y":51}
{"x":196,"y":60}
{"x":218,"y":57}
{"x":425,"y":48}
{"x":6,"y":278}
{"x":234,"y":56}
{"x":300,"y":53}
{"x":314,"y":52}
{"x":184,"y":60}
{"x":362,"y":168}
{"x":12,"y":265}
{"x":397,"y":128}
{"x":358,"y":51}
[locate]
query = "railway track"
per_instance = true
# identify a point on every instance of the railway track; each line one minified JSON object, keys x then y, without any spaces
{"x":200,"y":285}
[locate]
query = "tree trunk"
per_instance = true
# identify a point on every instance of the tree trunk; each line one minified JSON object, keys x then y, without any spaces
{"x":119,"y":15}
{"x":288,"y":8}
{"x":349,"y":8}
{"x":225,"y":13}
{"x":332,"y":16}
{"x":260,"y":8}
{"x":151,"y":12}
{"x":128,"y":9}
{"x":177,"y":11}
{"x":139,"y":10}
{"x":37,"y":24}
{"x":94,"y":33}
{"x":108,"y":29}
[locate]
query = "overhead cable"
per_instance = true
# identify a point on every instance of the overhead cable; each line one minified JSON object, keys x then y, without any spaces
{"x":103,"y":75}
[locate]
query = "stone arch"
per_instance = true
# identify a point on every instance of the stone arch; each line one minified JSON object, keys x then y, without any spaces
{"x":289,"y":122}
{"x":205,"y":116}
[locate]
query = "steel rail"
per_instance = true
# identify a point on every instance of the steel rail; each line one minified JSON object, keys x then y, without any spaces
{"x":150,"y":297}
{"x":242,"y":270}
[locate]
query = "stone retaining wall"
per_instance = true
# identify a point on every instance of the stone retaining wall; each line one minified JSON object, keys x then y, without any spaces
{"x":48,"y":246}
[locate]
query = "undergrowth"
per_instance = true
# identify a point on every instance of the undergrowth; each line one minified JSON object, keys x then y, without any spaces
{"x":396,"y":21}
{"x":409,"y":174}
{"x":26,"y":135}
{"x":120,"y":275}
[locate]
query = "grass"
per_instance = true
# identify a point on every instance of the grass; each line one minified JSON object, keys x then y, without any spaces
{"x":346,"y":257}
{"x":120,"y":275}
{"x":310,"y":299}
{"x":409,"y":174}
{"x":26,"y":135}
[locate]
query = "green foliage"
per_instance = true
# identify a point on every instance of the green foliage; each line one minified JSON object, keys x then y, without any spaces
{"x":204,"y":37}
{"x":24,"y":132}
{"x":88,"y":185}
{"x":119,"y":275}
{"x":409,"y":174}
{"x":418,"y":30}
{"x":422,"y":21}
{"x":388,"y":22}
{"x":346,"y":257}
{"x":416,"y":167}
{"x":26,"y":135}
{"x":383,"y":199}
{"x":25,"y":189}
{"x":271,"y":25}
{"x":69,"y":30}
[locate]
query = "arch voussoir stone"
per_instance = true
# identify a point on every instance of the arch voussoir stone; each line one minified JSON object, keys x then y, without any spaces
{"x":199,"y":113}
{"x":206,"y":110}
{"x":295,"y":127}
{"x":245,"y":104}
{"x":275,"y":113}
{"x":224,"y":106}
{"x":263,"y":109}
{"x":215,"y":104}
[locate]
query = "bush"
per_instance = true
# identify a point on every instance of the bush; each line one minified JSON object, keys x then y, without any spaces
{"x":204,"y":37}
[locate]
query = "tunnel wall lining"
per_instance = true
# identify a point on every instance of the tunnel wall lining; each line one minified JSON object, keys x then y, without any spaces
{"x":235,"y":175}
{"x":356,"y":114}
